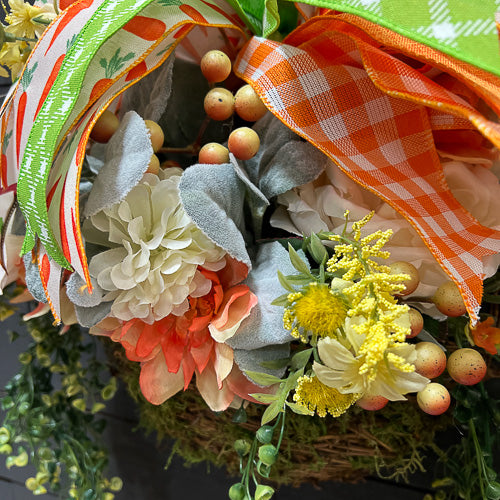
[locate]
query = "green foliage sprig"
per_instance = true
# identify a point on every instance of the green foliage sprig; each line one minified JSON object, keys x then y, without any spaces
{"x":51,"y":416}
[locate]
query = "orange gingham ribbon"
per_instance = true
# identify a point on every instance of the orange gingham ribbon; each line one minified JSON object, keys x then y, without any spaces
{"x":369,"y":112}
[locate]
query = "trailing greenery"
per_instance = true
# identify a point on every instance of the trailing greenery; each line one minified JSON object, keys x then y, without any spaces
{"x":51,"y":414}
{"x":467,"y":468}
{"x":391,"y":441}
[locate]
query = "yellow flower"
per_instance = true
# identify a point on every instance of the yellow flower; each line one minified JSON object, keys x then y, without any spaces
{"x":315,"y":310}
{"x":12,"y":56}
{"x":394,"y":374}
{"x":311,"y":394}
{"x":21,"y":18}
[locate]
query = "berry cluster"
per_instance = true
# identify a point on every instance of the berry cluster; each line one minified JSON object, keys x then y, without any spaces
{"x":219,"y":104}
{"x":465,"y":366}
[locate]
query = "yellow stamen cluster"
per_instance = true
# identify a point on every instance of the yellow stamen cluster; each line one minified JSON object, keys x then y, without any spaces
{"x":315,"y":396}
{"x":372,"y":296}
{"x":315,"y":310}
{"x":400,"y":363}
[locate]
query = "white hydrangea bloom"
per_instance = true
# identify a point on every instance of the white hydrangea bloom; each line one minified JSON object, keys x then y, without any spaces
{"x":156,"y":249}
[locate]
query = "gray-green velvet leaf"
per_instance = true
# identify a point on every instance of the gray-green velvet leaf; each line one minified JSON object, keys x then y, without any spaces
{"x":251,"y":360}
{"x":78,"y":293}
{"x":149,"y":97}
{"x":257,"y":202}
{"x":213,"y":196}
{"x":284,"y":160}
{"x":264,"y":326}
{"x":33,"y":280}
{"x":126,"y":160}
{"x":90,"y":316}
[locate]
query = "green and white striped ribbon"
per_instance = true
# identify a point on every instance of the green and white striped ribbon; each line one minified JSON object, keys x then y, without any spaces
{"x":51,"y":119}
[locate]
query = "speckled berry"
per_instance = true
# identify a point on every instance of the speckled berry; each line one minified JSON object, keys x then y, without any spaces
{"x":410,"y":284}
{"x":416,"y":322}
{"x":466,"y":366}
{"x":213,"y":153}
{"x":248,"y":104}
{"x":155,"y":134}
{"x":434,"y":399}
{"x":215,"y":66}
{"x":219,"y":104}
{"x":244,"y":143}
{"x":105,"y":126}
{"x":448,"y":300}
{"x":154,"y":165}
{"x":431,"y":359}
{"x":372,"y":403}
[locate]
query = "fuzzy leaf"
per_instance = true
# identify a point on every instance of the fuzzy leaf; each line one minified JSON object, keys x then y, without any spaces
{"x":300,"y":410}
{"x":300,"y":359}
{"x":263,"y":379}
{"x":297,"y":262}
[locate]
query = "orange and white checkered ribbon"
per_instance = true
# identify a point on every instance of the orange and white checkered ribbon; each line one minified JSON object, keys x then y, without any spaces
{"x":370,"y":113}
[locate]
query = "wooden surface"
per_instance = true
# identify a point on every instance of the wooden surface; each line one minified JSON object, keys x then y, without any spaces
{"x":140,"y":463}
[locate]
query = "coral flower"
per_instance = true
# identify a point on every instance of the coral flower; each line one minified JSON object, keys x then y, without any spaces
{"x":487,"y":336}
{"x":175,"y":348}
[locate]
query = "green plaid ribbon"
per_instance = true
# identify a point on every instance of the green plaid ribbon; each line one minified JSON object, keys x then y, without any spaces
{"x":464,"y":29}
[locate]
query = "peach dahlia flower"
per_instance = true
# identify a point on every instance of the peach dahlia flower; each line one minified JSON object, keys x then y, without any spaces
{"x":174,"y":348}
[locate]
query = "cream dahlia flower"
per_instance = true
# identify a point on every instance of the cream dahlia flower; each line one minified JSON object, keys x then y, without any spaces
{"x":152,"y":265}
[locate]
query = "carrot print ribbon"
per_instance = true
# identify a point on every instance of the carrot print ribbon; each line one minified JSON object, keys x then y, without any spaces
{"x":334,"y":86}
{"x":88,"y":56}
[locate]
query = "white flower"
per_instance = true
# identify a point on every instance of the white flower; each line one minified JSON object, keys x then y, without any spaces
{"x":341,"y":370}
{"x":320,"y":206}
{"x":156,"y":249}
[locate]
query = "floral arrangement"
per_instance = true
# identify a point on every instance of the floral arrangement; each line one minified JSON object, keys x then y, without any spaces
{"x":301,"y":225}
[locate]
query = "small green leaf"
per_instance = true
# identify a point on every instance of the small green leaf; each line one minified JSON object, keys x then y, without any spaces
{"x":297,"y":262}
{"x":263,"y":379}
{"x":12,"y":335}
{"x":300,"y":359}
{"x":300,"y":279}
{"x":280,"y":301}
{"x":275,"y":364}
{"x":300,"y":410}
{"x":271,"y":413}
{"x":79,"y":404}
{"x":318,"y":250}
{"x":265,"y":398}
{"x":96,"y":407}
{"x":491,"y":299}
{"x":291,"y":381}
{"x":284,"y":282}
